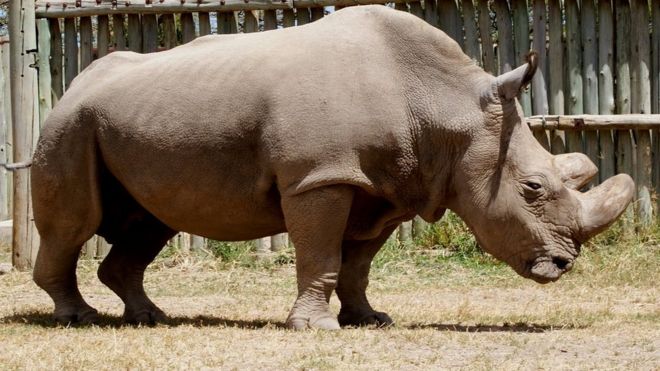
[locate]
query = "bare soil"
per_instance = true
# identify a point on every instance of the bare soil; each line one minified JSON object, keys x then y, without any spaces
{"x":232,"y":318}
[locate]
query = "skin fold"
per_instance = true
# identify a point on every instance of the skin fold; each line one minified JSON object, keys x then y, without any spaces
{"x":335,"y":132}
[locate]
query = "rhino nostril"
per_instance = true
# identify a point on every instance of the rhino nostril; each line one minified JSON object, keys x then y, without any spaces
{"x":561,"y":263}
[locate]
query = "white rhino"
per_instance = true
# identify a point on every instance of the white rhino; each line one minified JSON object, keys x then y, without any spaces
{"x":335,"y":132}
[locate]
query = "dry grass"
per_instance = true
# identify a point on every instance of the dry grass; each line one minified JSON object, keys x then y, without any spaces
{"x":450,"y":313}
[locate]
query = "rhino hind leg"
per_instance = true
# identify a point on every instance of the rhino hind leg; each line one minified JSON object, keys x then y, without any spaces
{"x":353,"y":281}
{"x":316,"y":221}
{"x":122,"y":270}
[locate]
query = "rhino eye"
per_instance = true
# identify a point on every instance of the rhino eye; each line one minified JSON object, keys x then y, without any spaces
{"x":533,"y":185}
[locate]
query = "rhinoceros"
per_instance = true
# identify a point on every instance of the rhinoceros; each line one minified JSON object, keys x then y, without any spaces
{"x":335,"y":132}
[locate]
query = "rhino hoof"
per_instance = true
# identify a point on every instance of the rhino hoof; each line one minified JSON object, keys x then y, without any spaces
{"x":85,"y":316}
{"x":150,"y":317}
{"x":373,"y":318}
{"x":322,"y":322}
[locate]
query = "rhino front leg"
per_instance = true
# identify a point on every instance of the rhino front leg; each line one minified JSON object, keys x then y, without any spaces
{"x":353,"y":282}
{"x":123,"y":269}
{"x":316,"y":221}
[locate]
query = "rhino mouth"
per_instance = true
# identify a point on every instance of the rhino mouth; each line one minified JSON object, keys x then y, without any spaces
{"x":549,"y":268}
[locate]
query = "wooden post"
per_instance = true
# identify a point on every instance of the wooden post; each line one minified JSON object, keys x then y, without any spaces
{"x":5,"y":105}
{"x":149,"y":33}
{"x":539,"y":92}
{"x":227,"y":22}
{"x":606,"y":86}
{"x":416,"y":8}
{"x":521,"y":48}
{"x":574,"y":59}
{"x":7,"y":144}
{"x":43,"y":66}
{"x":169,"y":31}
{"x":655,"y":79}
{"x":119,"y":39}
{"x":641,"y":103}
{"x":405,"y":232}
{"x":317,"y":13}
{"x":135,"y":33}
{"x":56,"y":58}
{"x":431,"y":12}
{"x":589,"y":77}
{"x":70,"y":51}
{"x":103,"y":36}
{"x":303,"y":16}
{"x":24,"y":94}
{"x":86,"y":53}
{"x":556,"y":72}
{"x":472,"y":47}
{"x":270,"y":20}
{"x":449,"y":20}
{"x":187,"y":28}
{"x":489,"y":62}
{"x":504,"y":36}
{"x":204,"y":23}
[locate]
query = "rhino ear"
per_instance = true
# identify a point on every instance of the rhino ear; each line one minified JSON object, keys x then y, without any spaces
{"x":510,"y":84}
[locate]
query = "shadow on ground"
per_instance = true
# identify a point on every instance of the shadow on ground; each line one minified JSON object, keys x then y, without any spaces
{"x":506,"y":327}
{"x":109,"y":321}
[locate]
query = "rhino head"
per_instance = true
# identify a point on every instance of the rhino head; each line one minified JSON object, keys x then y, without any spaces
{"x":522,"y":203}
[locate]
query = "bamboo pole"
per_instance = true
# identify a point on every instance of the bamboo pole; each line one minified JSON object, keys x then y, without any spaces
{"x":187,"y":28}
{"x":103,"y":36}
{"x":472,"y":47}
{"x":574,"y":60}
{"x":149,"y":33}
{"x":86,"y":52}
{"x":56,"y":58}
{"x":556,"y":72}
{"x":641,"y":103}
{"x":70,"y":51}
{"x":169,"y":30}
{"x":606,"y":86}
{"x":489,"y":62}
{"x":521,"y":47}
{"x":24,"y":114}
{"x":204,"y":23}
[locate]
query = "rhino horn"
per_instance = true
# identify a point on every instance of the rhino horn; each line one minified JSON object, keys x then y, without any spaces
{"x":602,"y":205}
{"x":575,"y":169}
{"x":510,"y":84}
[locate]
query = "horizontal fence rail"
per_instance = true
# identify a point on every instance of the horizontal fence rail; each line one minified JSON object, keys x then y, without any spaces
{"x":597,"y":86}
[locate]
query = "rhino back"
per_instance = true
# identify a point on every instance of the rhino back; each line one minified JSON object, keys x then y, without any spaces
{"x":230,"y":122}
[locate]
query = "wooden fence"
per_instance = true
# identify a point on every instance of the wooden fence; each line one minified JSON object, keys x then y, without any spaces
{"x":597,"y":57}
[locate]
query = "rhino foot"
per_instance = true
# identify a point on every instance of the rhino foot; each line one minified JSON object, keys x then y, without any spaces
{"x":323,"y":321}
{"x":150,"y":315}
{"x":77,"y":316}
{"x":370,"y":318}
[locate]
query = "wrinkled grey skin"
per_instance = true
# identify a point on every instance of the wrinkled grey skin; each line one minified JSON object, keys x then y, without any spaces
{"x":336,"y":132}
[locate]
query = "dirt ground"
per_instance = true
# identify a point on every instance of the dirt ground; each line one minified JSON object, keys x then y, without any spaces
{"x":452,"y":318}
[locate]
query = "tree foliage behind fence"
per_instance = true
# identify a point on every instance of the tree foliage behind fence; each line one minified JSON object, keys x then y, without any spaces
{"x":597,"y":57}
